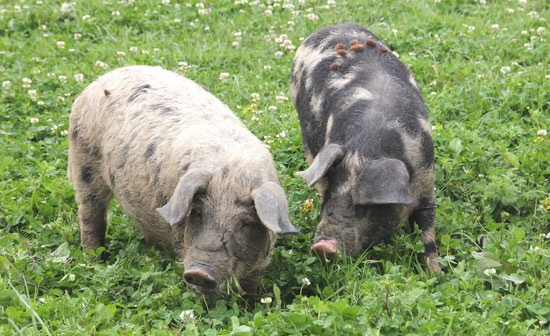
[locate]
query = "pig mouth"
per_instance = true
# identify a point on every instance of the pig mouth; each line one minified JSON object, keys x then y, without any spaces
{"x":325,"y":247}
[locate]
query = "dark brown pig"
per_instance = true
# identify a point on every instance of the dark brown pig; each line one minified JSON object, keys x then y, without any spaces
{"x":367,"y":138}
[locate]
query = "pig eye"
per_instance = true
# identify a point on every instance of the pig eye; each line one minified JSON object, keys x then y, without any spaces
{"x":246,"y":225}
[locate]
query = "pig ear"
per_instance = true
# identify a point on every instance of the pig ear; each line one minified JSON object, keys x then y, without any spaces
{"x":180,"y":203}
{"x":272,"y":208}
{"x":383,"y":181}
{"x":326,"y":158}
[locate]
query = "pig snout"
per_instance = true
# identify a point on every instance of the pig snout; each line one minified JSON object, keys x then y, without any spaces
{"x":200,"y":275}
{"x":325,"y":246}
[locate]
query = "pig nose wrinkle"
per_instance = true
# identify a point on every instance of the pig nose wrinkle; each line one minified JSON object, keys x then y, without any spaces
{"x":200,"y":277}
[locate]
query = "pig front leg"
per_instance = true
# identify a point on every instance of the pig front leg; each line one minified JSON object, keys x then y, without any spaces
{"x":93,"y":197}
{"x":424,"y":216}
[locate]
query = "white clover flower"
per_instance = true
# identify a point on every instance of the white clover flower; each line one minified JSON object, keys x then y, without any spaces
{"x":267,"y":67}
{"x":6,"y":84}
{"x":115,"y":13}
{"x":133,"y":49}
{"x":495,"y":27}
{"x":60,"y":44}
{"x":87,"y":18}
{"x":79,"y":78}
{"x":278,"y":54}
{"x":183,"y":66}
{"x":207,"y":28}
{"x":187,"y":314}
{"x":533,"y":14}
{"x":62,"y":78}
{"x":471,"y":29}
{"x":490,"y":271}
{"x":120,"y":54}
{"x":483,"y":2}
{"x":224,"y":76}
{"x":541,"y":30}
{"x":522,"y":3}
{"x":306,"y":282}
{"x":145,"y":52}
{"x":541,"y":132}
{"x":54,"y":128}
{"x":505,"y":69}
{"x":255,"y":96}
{"x":26,"y":83}
{"x":60,"y":98}
{"x":34,"y":120}
{"x":77,"y":36}
{"x":101,"y":64}
{"x":166,"y":2}
{"x":40,"y":102}
{"x":65,"y":7}
{"x":268,"y":12}
{"x":281,"y":99}
{"x":510,"y":10}
{"x":272,"y":108}
{"x":266,"y":300}
{"x":32,"y":94}
{"x":64,"y":132}
{"x":235,"y":44}
{"x":436,"y":38}
{"x":312,"y":17}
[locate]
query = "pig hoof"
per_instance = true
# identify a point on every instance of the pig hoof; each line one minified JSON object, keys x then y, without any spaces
{"x":328,"y":246}
{"x":200,"y":278}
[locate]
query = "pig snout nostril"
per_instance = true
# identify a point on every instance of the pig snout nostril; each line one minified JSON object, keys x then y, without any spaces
{"x":200,"y":277}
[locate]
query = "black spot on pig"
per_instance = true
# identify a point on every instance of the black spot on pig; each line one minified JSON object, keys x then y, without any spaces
{"x":427,"y":149}
{"x":140,"y":90}
{"x":150,"y":150}
{"x":112,"y":178}
{"x":185,"y":167}
{"x":225,"y":172}
{"x":74,"y":134}
{"x":86,"y":174}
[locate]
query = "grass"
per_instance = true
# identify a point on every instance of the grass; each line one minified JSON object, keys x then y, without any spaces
{"x":482,"y":67}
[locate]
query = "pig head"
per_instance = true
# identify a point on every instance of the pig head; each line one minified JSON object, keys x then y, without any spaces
{"x":363,"y":202}
{"x":222,"y":233}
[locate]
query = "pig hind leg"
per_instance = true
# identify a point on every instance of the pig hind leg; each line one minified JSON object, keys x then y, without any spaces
{"x":424,"y":216}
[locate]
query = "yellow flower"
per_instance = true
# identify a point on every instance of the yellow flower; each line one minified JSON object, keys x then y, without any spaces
{"x":249,"y":108}
{"x":308,"y":205}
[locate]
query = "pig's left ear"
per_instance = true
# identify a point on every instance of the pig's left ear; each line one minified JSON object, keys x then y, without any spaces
{"x":383,"y":181}
{"x":272,"y":208}
{"x":326,"y":158}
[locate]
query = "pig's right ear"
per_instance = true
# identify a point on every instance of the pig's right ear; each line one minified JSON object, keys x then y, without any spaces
{"x":272,"y":208}
{"x":326,"y":158}
{"x":180,"y":203}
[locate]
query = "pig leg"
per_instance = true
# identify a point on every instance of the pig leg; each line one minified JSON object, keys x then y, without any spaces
{"x":424,"y":216}
{"x":93,"y":196}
